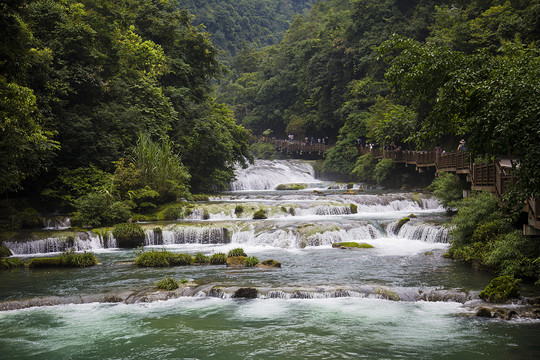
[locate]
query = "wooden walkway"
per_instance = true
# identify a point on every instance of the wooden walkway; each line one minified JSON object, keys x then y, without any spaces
{"x":299,"y":148}
{"x":494,"y":177}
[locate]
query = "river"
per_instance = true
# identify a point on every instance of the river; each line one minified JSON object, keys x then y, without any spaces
{"x":398,"y":300}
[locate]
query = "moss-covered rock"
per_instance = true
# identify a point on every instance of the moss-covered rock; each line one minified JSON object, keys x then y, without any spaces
{"x":501,"y":289}
{"x":269,"y":264}
{"x":387,"y":294}
{"x":354,"y":208}
{"x":259,"y":215}
{"x":128,"y":235}
{"x":5,"y":252}
{"x":351,"y":245}
{"x":236,"y":261}
{"x":291,"y":187}
{"x":10,"y":263}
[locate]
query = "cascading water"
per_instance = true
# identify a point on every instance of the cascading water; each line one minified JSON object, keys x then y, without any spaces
{"x":267,"y":174}
{"x":397,"y":299}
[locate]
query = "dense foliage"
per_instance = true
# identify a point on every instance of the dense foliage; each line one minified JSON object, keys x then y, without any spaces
{"x":81,"y":80}
{"x":236,"y":23}
{"x":415,"y":73}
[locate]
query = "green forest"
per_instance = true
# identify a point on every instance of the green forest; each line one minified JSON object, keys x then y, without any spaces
{"x":415,"y":73}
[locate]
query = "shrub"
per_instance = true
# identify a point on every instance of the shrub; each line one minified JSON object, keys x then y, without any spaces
{"x":153,"y":258}
{"x":365,"y":167}
{"x":66,"y":259}
{"x":128,"y":235}
{"x":238,"y":209}
{"x":513,"y":254}
{"x":236,"y":252}
{"x":500,"y":289}
{"x":251,"y":261}
{"x":383,"y":170}
{"x":262,"y":150}
{"x":472,"y":212}
{"x":162,"y":258}
{"x":447,"y":188}
{"x":173,"y":212}
{"x":167,"y":283}
{"x":259,"y":215}
{"x":180,"y":260}
{"x":218,"y":259}
{"x":10,"y":263}
{"x":99,"y":208}
{"x":28,"y":218}
{"x":158,"y":235}
{"x":200,"y":258}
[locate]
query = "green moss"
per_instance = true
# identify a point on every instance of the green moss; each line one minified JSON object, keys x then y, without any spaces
{"x":354,"y":208}
{"x":501,"y":289}
{"x":291,"y":187}
{"x":10,"y":263}
{"x":172,"y":212}
{"x":67,"y":259}
{"x":167,"y":283}
{"x":236,"y":252}
{"x":403,"y":221}
{"x":5,"y":252}
{"x":387,"y":293}
{"x":259,"y":215}
{"x":346,"y":245}
{"x":251,"y":261}
{"x":270,"y":263}
{"x":128,"y":235}
{"x":218,"y":259}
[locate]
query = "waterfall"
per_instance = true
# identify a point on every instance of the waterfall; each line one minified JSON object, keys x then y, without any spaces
{"x":55,"y":244}
{"x":189,"y":235}
{"x":267,"y":174}
{"x":57,"y":223}
{"x":420,"y":231}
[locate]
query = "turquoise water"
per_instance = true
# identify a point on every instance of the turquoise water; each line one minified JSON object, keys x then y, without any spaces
{"x":323,"y":303}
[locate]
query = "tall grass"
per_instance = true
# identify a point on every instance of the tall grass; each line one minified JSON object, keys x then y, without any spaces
{"x":160,"y":168}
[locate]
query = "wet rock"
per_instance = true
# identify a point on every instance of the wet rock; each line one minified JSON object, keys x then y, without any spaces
{"x":500,"y":289}
{"x":236,"y":261}
{"x":246,"y":293}
{"x":269,"y":264}
{"x":351,"y":245}
{"x":387,"y":294}
{"x":217,"y":293}
{"x":483,"y":312}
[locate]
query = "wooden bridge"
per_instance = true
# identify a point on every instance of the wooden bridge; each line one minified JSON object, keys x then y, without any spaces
{"x":494,"y":177}
{"x":298,"y":148}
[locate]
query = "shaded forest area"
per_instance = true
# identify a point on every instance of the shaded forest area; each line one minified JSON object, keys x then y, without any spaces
{"x":108,"y":102}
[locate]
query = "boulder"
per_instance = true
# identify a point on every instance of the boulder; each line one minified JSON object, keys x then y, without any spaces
{"x":246,"y":293}
{"x":500,"y":289}
{"x":236,"y":261}
{"x":269,"y":264}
